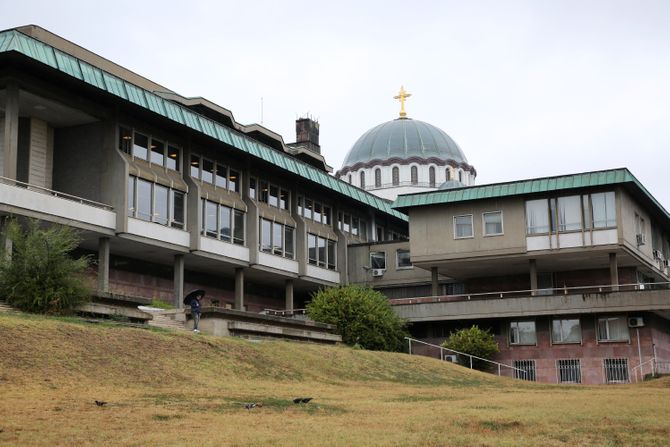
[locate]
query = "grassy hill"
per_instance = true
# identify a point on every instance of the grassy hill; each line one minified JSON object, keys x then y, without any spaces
{"x":166,"y":388}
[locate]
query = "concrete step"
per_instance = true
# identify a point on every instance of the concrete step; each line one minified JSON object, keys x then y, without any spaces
{"x":4,"y":307}
{"x":166,"y":322}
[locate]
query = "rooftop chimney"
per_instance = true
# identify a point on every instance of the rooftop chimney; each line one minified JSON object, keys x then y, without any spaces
{"x":307,"y":134}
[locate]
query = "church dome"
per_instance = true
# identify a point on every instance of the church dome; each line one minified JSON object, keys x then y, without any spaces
{"x":403,"y":140}
{"x":451,"y":184}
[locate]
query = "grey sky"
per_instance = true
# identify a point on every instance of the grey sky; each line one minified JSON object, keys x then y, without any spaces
{"x":526,"y":88}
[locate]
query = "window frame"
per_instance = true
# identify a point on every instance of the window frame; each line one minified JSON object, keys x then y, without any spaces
{"x":397,"y":260}
{"x":378,"y":252}
{"x":565,"y":341}
{"x":233,"y":214}
{"x":607,"y":318}
{"x":518,"y":341}
{"x":472,"y":229}
{"x":502,"y":224}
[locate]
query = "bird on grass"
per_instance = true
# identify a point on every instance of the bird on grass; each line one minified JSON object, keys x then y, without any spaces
{"x":100,"y":403}
{"x":251,"y":405}
{"x":301,"y":400}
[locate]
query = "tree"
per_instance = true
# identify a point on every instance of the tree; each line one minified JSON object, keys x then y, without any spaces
{"x":39,"y":275}
{"x":474,"y":341}
{"x":363,"y":317}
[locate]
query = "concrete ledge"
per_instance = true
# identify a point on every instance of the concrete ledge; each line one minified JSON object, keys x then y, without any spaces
{"x":119,"y":299}
{"x":111,"y":310}
{"x":237,"y":327}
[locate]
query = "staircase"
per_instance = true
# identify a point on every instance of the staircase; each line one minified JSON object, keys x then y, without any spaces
{"x":174,"y":320}
{"x":4,"y":307}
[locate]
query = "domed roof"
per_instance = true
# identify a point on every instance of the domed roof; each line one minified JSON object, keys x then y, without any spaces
{"x":451,"y":184}
{"x":404,"y":138}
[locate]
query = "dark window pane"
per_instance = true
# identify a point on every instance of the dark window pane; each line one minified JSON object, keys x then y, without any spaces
{"x":309,"y":209}
{"x":224,"y":223}
{"x":157,"y":152}
{"x":378,"y":260}
{"x":273,"y":198}
{"x":283,"y":199}
{"x":238,"y":227}
{"x":252,"y":188}
{"x":311,"y":248}
{"x":125,"y":140}
{"x":195,"y":166}
{"x":322,"y":251}
{"x":347,"y":223}
{"x":221,"y":176}
{"x":354,"y":226}
{"x":331,"y":254}
{"x":300,"y":209}
{"x":403,"y":258}
{"x":172,"y":161}
{"x":317,"y":212}
{"x":160,"y":204}
{"x":431,"y":176}
{"x":234,"y":181}
{"x":266,"y":235}
{"x":277,"y":238}
{"x":264,"y":192}
{"x":288,"y":242}
{"x":131,"y":196}
{"x":141,"y":146}
{"x":207,"y":171}
{"x":326,"y":215}
{"x":211,"y":227}
{"x":178,"y":209}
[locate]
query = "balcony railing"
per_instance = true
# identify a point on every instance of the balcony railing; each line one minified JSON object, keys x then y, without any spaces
{"x":532,"y":293}
{"x":43,"y":190}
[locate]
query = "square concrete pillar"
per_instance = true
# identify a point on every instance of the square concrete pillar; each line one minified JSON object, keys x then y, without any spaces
{"x":532,"y":263}
{"x":103,"y":264}
{"x":614,"y":272}
{"x":289,"y":294}
{"x":178,"y":281}
{"x":433,"y":281}
{"x":239,"y":288}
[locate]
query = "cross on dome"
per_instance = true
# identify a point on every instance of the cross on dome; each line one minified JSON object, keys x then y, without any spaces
{"x":402,"y":95}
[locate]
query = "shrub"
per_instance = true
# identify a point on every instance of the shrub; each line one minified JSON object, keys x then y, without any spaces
{"x":474,"y":341}
{"x":39,"y":275}
{"x":363,"y":317}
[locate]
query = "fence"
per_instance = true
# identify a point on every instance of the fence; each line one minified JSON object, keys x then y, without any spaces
{"x":652,"y":367}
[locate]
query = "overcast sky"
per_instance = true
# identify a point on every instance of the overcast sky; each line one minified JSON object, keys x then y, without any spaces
{"x":526,"y":88}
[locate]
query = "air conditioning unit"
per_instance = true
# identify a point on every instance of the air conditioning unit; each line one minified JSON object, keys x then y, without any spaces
{"x":377,"y":272}
{"x":635,"y":322}
{"x":641,"y":239}
{"x":451,"y":358}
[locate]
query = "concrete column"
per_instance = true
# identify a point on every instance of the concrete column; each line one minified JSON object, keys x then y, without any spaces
{"x":178,"y":281}
{"x":433,"y":280}
{"x":10,"y":143}
{"x":289,"y":294}
{"x":614,"y":272}
{"x":533,"y":276}
{"x":239,"y":288}
{"x":103,"y":264}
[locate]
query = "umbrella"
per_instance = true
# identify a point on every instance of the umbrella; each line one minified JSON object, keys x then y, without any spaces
{"x":192,"y":294}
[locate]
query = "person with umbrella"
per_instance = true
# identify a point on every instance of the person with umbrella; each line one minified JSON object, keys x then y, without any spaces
{"x":193,"y":299}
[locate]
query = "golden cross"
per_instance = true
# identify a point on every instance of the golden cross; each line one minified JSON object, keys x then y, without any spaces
{"x":402,"y":95}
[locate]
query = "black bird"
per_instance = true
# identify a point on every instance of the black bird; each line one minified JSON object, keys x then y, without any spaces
{"x":297,"y":400}
{"x":100,"y":403}
{"x":250,"y":406}
{"x":306,"y":399}
{"x":302,"y":400}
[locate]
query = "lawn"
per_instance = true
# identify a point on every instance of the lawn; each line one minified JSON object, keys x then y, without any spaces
{"x":165,"y":388}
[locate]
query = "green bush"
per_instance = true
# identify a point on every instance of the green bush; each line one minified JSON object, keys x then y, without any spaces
{"x":363,"y":317}
{"x":473,"y":341}
{"x":39,"y":275}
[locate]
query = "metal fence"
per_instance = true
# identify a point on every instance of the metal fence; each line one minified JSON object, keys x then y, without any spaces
{"x":569,"y":371}
{"x":616,"y":370}
{"x":525,"y":370}
{"x":651,"y":368}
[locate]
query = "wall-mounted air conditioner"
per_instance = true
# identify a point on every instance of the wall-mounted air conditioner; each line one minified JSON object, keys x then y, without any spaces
{"x":451,"y":358}
{"x":635,"y":322}
{"x":377,"y":272}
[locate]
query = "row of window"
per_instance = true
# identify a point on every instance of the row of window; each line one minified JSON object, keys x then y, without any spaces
{"x":155,"y":203}
{"x":571,"y":213}
{"x":321,"y":251}
{"x":569,"y":370}
{"x":148,"y":148}
{"x":492,"y":224}
{"x":276,"y":238}
{"x":352,"y":225}
{"x":313,"y":210}
{"x":209,"y":171}
{"x":568,"y":330}
{"x":222,"y":222}
{"x":414,"y":176}
{"x":266,"y":192}
{"x":378,"y":259}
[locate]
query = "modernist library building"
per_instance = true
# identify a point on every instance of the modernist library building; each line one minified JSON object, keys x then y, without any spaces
{"x":171,"y":194}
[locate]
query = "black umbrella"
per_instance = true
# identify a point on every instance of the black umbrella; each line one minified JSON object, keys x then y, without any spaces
{"x":193,"y":294}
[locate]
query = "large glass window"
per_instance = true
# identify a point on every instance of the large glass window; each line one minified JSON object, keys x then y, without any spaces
{"x":238,"y":227}
{"x":224,"y":223}
{"x":321,"y":243}
{"x":378,"y":260}
{"x":288,"y":242}
{"x":143,"y":200}
{"x":234,"y":181}
{"x":141,"y":146}
{"x":317,"y":212}
{"x":522,"y":333}
{"x":537,"y":216}
{"x":613,"y":329}
{"x":252,"y":188}
{"x":283,"y":199}
{"x":131,"y":196}
{"x":402,"y":259}
{"x":311,"y":249}
{"x":195,"y":166}
{"x":603,"y":210}
{"x":331,"y":254}
{"x":221,"y":176}
{"x":155,"y":203}
{"x":207,"y":171}
{"x":160,"y":204}
{"x":569,"y":213}
{"x":309,"y":209}
{"x":177,"y":209}
{"x":463,"y":226}
{"x":157,"y":152}
{"x":266,"y":235}
{"x":210,"y":219}
{"x":273,"y":196}
{"x":566,"y":331}
{"x":277,"y":238}
{"x":173,"y":161}
{"x":493,"y":223}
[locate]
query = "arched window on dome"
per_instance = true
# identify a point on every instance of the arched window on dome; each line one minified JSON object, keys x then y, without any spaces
{"x":415,"y":175}
{"x":362,"y":179}
{"x":431,"y":176}
{"x":349,"y":180}
{"x":378,"y":178}
{"x":460,"y":176}
{"x":395,"y":176}
{"x":447,"y":174}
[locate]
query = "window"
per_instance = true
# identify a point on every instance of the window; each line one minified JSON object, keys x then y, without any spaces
{"x":311,"y":249}
{"x":349,"y":179}
{"x":321,"y":244}
{"x":172,"y":161}
{"x":221,"y":179}
{"x":493,"y":223}
{"x":613,"y":329}
{"x":378,"y":178}
{"x":195,"y":166}
{"x":640,"y":228}
{"x":283,"y":199}
{"x":603,"y":210}
{"x":222,"y":222}
{"x":125,"y":140}
{"x":616,"y":370}
{"x":431,"y":176}
{"x":309,"y":209}
{"x":252,"y":188}
{"x":234,"y":181}
{"x":355,"y":226}
{"x":321,"y":251}
{"x":148,"y":148}
{"x":346,"y":223}
{"x":207,"y":171}
{"x":447,"y":174}
{"x":463,"y":226}
{"x":273,"y":196}
{"x":395,"y":176}
{"x":537,"y":216}
{"x":378,"y":260}
{"x":566,"y":331}
{"x":522,"y":333}
{"x":225,"y":232}
{"x":155,"y":203}
{"x":331,"y":255}
{"x":460,"y":176}
{"x":157,"y":152}
{"x":210,"y":218}
{"x":317,"y":212}
{"x":276,"y":238}
{"x":326,"y":215}
{"x":403,"y":259}
{"x":238,"y":228}
{"x":525,"y":370}
{"x":569,"y":213}
{"x":569,"y":371}
{"x":362,"y":175}
{"x":414,"y":174}
{"x":141,"y":146}
{"x":264,"y":192}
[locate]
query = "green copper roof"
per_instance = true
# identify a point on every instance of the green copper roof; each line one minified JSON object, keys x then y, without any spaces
{"x":403,"y":139}
{"x":523,"y":187}
{"x":13,"y":40}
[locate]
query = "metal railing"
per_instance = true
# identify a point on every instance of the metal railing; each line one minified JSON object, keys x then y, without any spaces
{"x":287,"y":313}
{"x":518,"y":373}
{"x":652,"y":367}
{"x":605,"y":288}
{"x":41,"y":189}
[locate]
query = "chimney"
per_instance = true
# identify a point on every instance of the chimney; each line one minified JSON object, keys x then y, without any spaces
{"x":307,"y":134}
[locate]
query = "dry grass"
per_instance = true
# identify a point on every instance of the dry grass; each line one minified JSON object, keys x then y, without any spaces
{"x":179,"y":389}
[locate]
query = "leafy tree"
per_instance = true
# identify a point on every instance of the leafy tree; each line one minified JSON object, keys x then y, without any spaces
{"x":474,"y":341}
{"x":362,"y":315}
{"x":39,"y":275}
